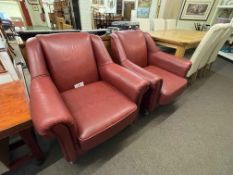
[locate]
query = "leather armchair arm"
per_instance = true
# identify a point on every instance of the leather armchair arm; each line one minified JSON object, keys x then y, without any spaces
{"x":47,"y":107}
{"x":155,"y":81}
{"x":124,"y":80}
{"x":150,"y":99}
{"x":170,"y":63}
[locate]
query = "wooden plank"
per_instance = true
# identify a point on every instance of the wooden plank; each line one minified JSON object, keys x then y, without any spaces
{"x":14,"y":109}
{"x":178,"y":36}
{"x":179,"y":39}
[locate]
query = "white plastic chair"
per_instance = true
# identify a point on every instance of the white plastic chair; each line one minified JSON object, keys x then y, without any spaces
{"x":159,"y":24}
{"x":145,"y":25}
{"x":216,"y":44}
{"x":171,"y":24}
{"x":205,"y":49}
{"x":133,"y":16}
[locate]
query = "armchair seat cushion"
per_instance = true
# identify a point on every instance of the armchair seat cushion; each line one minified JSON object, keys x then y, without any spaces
{"x":99,"y":111}
{"x":172,"y":87}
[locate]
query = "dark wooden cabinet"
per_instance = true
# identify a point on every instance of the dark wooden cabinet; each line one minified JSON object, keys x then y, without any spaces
{"x":119,"y":6}
{"x":128,"y":6}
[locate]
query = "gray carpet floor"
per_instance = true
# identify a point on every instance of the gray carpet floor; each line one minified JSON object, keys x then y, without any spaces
{"x":192,"y":136}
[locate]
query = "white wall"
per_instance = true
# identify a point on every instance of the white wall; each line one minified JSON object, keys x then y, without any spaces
{"x":85,"y":14}
{"x":170,"y":9}
{"x":35,"y":15}
{"x":153,"y":8}
{"x":11,"y":8}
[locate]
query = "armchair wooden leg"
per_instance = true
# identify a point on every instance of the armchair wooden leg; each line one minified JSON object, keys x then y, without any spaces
{"x":206,"y":70}
{"x":4,"y":151}
{"x":193,"y":78}
{"x":146,"y":113}
{"x":29,"y":139}
{"x":210,"y":66}
{"x":201,"y":73}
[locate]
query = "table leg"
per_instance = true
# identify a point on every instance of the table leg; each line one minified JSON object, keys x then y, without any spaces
{"x":180,"y":51}
{"x":4,"y":151}
{"x":29,"y":139}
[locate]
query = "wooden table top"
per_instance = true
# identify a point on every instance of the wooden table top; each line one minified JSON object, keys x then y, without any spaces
{"x":178,"y":36}
{"x":14,"y":109}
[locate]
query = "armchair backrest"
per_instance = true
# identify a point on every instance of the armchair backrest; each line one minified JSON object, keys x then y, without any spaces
{"x":68,"y":58}
{"x":134,"y":45}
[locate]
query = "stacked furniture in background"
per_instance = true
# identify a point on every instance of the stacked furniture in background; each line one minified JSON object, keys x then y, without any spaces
{"x":7,"y":71}
{"x":60,"y":18}
{"x":166,"y":73}
{"x":104,"y":20}
{"x":81,"y":98}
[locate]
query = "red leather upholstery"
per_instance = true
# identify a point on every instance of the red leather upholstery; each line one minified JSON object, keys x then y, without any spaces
{"x":59,"y":65}
{"x":172,"y":87}
{"x":137,"y":51}
{"x":80,"y":118}
{"x":89,"y":100}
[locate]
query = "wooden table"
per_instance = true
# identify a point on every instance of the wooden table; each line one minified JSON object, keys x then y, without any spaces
{"x":15,"y":119}
{"x":178,"y":39}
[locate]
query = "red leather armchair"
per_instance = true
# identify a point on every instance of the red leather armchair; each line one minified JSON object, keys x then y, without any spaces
{"x":80,"y":118}
{"x":137,"y":51}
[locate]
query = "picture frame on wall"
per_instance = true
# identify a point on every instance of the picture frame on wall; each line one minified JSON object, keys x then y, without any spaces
{"x":143,"y":9}
{"x":198,"y":10}
{"x":35,"y":8}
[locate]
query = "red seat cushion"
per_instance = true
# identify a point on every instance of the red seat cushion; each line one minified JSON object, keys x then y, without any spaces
{"x":172,"y":87}
{"x":100,"y":111}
